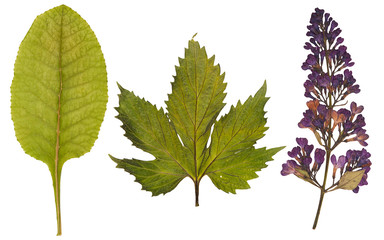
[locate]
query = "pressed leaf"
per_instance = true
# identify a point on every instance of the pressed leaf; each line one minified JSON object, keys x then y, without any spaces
{"x":196,"y":100}
{"x":350,"y":180}
{"x":239,"y":129}
{"x":150,"y":130}
{"x":59,"y":91}
{"x":231,"y":173}
{"x":178,"y":140}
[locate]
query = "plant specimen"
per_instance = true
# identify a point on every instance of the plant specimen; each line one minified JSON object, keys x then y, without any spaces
{"x":179,"y":139}
{"x":328,"y":85}
{"x":59,"y":91}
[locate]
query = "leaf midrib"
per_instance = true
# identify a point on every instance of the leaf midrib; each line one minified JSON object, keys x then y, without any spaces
{"x":197,"y":96}
{"x":196,"y":111}
{"x":59,"y":106}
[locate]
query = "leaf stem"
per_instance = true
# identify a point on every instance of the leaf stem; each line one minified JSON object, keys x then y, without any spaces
{"x":197,"y":183}
{"x":57,"y":171}
{"x":56,"y":188}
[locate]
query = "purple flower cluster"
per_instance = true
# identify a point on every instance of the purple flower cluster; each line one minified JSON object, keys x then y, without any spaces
{"x":327,"y":59}
{"x":353,"y":161}
{"x":301,"y":165}
{"x":330,"y":81}
{"x":318,"y":118}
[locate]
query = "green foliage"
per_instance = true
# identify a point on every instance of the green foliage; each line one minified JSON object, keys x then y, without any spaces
{"x":350,"y":180}
{"x":196,"y":100}
{"x":59,"y":91}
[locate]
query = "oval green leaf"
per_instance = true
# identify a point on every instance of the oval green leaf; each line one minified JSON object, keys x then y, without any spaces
{"x":59,"y":91}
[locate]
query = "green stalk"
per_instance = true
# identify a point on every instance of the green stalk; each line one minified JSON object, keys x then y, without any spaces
{"x":322,"y":189}
{"x":328,"y":156}
{"x":197,"y":193}
{"x":56,"y":188}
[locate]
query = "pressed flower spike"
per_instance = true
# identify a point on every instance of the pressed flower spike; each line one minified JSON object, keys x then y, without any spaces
{"x":328,"y":84}
{"x":179,"y":139}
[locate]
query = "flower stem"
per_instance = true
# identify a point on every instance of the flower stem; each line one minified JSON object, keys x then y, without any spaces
{"x":327,"y":148}
{"x":322,"y":189}
{"x":318,"y":209}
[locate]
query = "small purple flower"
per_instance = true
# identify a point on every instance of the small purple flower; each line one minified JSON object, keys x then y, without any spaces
{"x":319,"y":156}
{"x":319,"y":159}
{"x":352,"y":89}
{"x":356,"y":109}
{"x":294,"y":153}
{"x":324,"y":81}
{"x":339,"y":40}
{"x":306,"y":162}
{"x":365,"y":154}
{"x":333,"y":160}
{"x":340,"y":163}
{"x":359,"y":160}
{"x":311,"y":59}
{"x":348,"y":78}
{"x":323,"y":111}
{"x":359,"y":122}
{"x":361,"y":136}
{"x":310,"y":89}
{"x":306,"y":122}
{"x":289,"y":167}
{"x":302,"y":142}
{"x":302,"y":155}
{"x":338,"y":118}
{"x":345,"y":112}
{"x":364,"y":180}
{"x":308,"y":149}
{"x":337,"y":80}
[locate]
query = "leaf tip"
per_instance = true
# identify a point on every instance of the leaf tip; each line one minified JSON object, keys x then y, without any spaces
{"x":194,"y":35}
{"x":277,"y":149}
{"x":116,"y":160}
{"x":119,"y":86}
{"x":264,"y":86}
{"x":192,"y":44}
{"x":63,"y":8}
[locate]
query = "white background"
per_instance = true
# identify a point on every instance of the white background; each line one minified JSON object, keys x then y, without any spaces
{"x":141,"y":42}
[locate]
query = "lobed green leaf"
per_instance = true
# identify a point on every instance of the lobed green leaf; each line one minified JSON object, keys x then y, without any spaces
{"x":193,"y":107}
